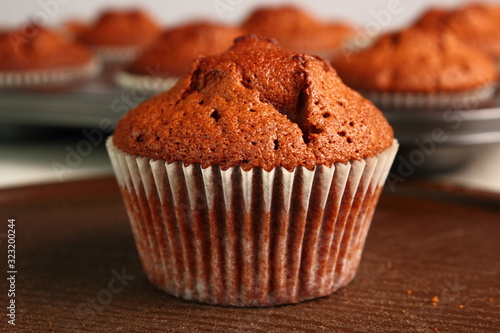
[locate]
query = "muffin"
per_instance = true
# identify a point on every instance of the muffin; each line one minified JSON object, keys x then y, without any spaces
{"x":477,"y":25}
{"x":45,"y":58}
{"x":253,"y":181}
{"x":72,"y":29}
{"x":160,"y":66}
{"x":119,"y":36}
{"x":297,"y":30}
{"x":420,"y":68}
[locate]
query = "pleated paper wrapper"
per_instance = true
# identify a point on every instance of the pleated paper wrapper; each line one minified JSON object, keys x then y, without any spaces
{"x":117,"y":54}
{"x":401,"y":101}
{"x":249,"y":238}
{"x":149,"y":84}
{"x":48,"y":77}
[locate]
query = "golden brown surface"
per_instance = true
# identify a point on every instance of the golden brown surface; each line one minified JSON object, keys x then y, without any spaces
{"x":477,"y":25}
{"x":41,"y":49}
{"x":122,"y":28}
{"x":173,"y":52}
{"x":417,"y":60}
{"x":297,"y":30}
{"x":256,"y":105}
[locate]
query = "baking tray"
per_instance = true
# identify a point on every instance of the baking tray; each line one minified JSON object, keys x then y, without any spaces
{"x":441,"y":141}
{"x":82,"y":106}
{"x":99,"y":102}
{"x":426,"y":241}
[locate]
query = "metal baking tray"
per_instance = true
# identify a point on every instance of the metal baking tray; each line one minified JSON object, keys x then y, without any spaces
{"x":99,"y":102}
{"x":440,"y":141}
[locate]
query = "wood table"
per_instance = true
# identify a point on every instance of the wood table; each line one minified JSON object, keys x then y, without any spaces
{"x":431,"y":264}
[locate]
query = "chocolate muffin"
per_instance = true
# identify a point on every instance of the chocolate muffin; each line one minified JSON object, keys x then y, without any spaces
{"x":253,"y":181}
{"x":475,"y":24}
{"x":297,"y":30}
{"x":159,"y":67}
{"x":119,"y":36}
{"x":44,"y":57}
{"x":73,"y":28}
{"x":419,"y":67}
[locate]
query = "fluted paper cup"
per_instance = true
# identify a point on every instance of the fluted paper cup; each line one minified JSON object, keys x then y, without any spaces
{"x":250,"y":238}
{"x":146,"y":83}
{"x":44,"y":77}
{"x":117,"y":54}
{"x":394,"y":101}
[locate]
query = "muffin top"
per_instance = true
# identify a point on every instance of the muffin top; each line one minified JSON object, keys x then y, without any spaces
{"x":297,"y":30}
{"x":122,"y":28}
{"x":44,"y":50}
{"x":417,"y":60}
{"x":73,"y":28}
{"x":172,"y":53}
{"x":476,"y":24}
{"x":256,"y":105}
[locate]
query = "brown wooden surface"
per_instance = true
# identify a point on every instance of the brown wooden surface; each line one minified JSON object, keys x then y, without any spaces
{"x":71,"y":236}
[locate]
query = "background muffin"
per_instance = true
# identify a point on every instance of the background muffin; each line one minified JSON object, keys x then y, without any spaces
{"x":252,"y":182}
{"x":419,"y":67}
{"x":159,"y":67}
{"x":119,"y":35}
{"x":476,"y":25}
{"x":297,"y":30}
{"x":44,"y":58}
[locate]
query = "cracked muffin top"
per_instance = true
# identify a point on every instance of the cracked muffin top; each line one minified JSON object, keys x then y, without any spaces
{"x":256,"y":105}
{"x":44,"y":50}
{"x":296,"y":30}
{"x":172,"y":53}
{"x":476,"y":24}
{"x":417,"y":60}
{"x":121,"y":28}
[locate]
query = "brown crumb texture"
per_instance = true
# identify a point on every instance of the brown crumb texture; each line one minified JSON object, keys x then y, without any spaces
{"x":121,"y":28}
{"x":417,"y":60}
{"x":173,"y":52}
{"x":256,"y":105}
{"x":296,"y":29}
{"x":44,"y":49}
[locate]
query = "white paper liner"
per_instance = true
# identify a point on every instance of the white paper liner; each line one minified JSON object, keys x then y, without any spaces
{"x":54,"y":76}
{"x":146,"y":83}
{"x":420,"y":101}
{"x":250,"y":238}
{"x":117,"y":54}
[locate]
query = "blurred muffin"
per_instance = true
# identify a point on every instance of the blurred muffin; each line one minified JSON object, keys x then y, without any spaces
{"x":297,"y":30}
{"x":160,"y":66}
{"x":420,"y":68}
{"x":253,"y":181}
{"x":73,"y":28}
{"x":43,"y":58}
{"x":119,"y":36}
{"x":476,"y":24}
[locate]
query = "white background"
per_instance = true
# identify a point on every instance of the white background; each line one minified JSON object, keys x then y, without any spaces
{"x":16,"y":12}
